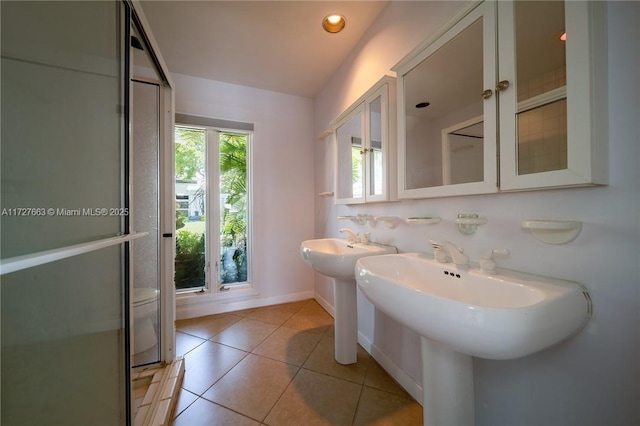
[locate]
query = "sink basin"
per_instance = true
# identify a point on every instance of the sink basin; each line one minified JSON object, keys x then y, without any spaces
{"x":504,"y":316}
{"x":336,"y":258}
{"x":461,"y":313}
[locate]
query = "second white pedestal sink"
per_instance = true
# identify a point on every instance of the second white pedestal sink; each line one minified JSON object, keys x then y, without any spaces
{"x":463,"y":313}
{"x":336,"y":258}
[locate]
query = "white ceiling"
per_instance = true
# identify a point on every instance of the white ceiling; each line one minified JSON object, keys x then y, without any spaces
{"x":272,"y":45}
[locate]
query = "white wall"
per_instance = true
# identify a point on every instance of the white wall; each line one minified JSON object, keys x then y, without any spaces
{"x":592,"y":379}
{"x":282,"y":188}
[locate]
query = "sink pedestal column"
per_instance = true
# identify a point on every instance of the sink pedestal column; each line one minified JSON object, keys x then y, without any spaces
{"x":346,"y":321}
{"x":447,"y":386}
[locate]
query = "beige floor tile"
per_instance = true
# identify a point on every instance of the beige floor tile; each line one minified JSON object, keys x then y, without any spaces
{"x":310,"y":318}
{"x":243,"y":312}
{"x":207,"y":363}
{"x":246,"y":334}
{"x":186,"y":343}
{"x":207,"y":327}
{"x":289,"y":345}
{"x":300,"y":304}
{"x":311,"y":304}
{"x":331,"y":331}
{"x":322,"y":360}
{"x":268,"y":385}
{"x":253,"y":386}
{"x":276,"y":314}
{"x":206,"y":413}
{"x":315,"y":399}
{"x":379,"y":379}
{"x":381,"y":408}
{"x":185,"y":399}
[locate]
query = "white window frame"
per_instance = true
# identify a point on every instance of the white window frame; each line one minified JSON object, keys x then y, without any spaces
{"x":212,"y":283}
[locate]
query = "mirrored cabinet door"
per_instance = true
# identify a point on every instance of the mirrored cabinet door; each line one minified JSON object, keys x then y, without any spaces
{"x":548,"y":121}
{"x":448,"y":111}
{"x":364,"y":137}
{"x":545,"y":84}
{"x":349,"y":157}
{"x":377,"y":152}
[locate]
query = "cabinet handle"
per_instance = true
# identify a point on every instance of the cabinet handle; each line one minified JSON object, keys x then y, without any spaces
{"x":487,"y":94}
{"x":502,"y":85}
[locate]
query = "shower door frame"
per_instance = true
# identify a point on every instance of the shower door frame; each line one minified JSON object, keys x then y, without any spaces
{"x":166,"y":191}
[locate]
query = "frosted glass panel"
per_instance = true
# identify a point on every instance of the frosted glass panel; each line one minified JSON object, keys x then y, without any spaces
{"x":63,"y":352}
{"x":62,"y":342}
{"x":145,"y":208}
{"x":541,"y":76}
{"x":61,"y":124}
{"x":542,"y":138}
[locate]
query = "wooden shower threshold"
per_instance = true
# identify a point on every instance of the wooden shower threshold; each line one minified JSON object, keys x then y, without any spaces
{"x":160,"y":399}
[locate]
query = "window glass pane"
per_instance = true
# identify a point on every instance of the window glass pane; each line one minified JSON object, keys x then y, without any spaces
{"x":233,"y":208}
{"x":61,"y":124}
{"x":191,"y":213}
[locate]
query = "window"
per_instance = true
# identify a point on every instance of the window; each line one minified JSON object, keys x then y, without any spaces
{"x":212,"y":209}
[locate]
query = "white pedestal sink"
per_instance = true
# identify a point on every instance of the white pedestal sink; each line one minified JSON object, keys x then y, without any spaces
{"x":336,"y":258}
{"x":463,"y":313}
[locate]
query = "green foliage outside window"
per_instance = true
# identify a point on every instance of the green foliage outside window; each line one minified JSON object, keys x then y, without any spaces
{"x":233,"y":184}
{"x":190,"y":165}
{"x":190,"y":259}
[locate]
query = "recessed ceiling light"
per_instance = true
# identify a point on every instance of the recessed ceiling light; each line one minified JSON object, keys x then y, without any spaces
{"x":333,"y":23}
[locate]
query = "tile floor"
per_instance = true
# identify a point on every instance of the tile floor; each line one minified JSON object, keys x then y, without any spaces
{"x":274,"y":366}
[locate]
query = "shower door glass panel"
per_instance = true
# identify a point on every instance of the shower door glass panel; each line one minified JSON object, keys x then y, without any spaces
{"x":61,"y":124}
{"x":145,"y":195}
{"x":63,"y":348}
{"x":62,"y":357}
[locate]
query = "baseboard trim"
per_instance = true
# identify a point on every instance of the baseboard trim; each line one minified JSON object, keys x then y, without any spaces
{"x":414,"y":389}
{"x":202,"y":305}
{"x":326,"y":305}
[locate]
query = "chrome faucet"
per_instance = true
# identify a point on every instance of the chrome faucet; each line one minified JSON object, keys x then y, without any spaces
{"x":352,"y":237}
{"x":447,"y":252}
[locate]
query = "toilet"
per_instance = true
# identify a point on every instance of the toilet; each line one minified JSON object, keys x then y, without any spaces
{"x":145,"y":310}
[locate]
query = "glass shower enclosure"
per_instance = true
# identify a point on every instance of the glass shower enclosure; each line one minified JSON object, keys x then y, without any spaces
{"x":68,"y":253}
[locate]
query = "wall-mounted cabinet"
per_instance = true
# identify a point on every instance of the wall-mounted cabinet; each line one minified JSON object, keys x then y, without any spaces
{"x":365,"y":147}
{"x":509,"y":96}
